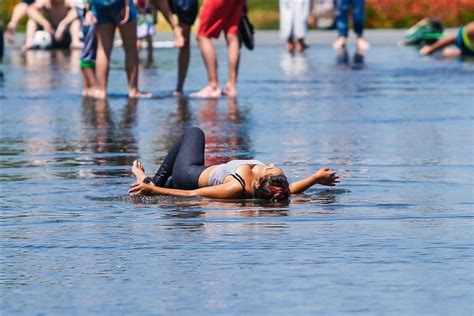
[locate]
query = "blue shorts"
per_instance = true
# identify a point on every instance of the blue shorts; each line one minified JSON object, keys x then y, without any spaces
{"x":111,"y":13}
{"x":461,"y":44}
{"x":186,"y":10}
{"x":28,"y":2}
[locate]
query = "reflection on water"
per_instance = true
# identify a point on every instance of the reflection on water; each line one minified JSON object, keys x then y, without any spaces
{"x":397,"y":229}
{"x":342,"y":58}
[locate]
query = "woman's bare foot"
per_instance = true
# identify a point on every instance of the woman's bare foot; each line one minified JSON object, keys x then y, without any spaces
{"x":340,"y":43}
{"x":301,"y":45}
{"x":138,"y":171}
{"x":90,"y":93}
{"x":362,"y":44}
{"x":101,"y":94}
{"x":290,"y":46}
{"x":207,"y":92}
{"x":230,"y":91}
{"x":139,"y":95}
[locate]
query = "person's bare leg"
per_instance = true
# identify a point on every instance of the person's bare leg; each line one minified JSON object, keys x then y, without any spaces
{"x":128,"y":33}
{"x":138,"y":171}
{"x":19,"y":11}
{"x":183,"y":58}
{"x":31,"y":27}
{"x":233,"y":49}
{"x":105,"y":39}
{"x":90,"y":83}
{"x":208,"y":52}
{"x":139,"y":47}
{"x":451,"y":52}
{"x":75,"y":31}
{"x":149,"y":49}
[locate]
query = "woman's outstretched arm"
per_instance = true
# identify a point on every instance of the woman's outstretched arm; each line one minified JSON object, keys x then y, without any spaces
{"x":442,"y":43}
{"x":228,"y":190}
{"x":323,"y":176}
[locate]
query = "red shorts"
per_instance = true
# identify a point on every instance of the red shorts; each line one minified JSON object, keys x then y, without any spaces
{"x":220,"y":15}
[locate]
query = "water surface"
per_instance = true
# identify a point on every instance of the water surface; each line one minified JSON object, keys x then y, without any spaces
{"x":396,"y":236}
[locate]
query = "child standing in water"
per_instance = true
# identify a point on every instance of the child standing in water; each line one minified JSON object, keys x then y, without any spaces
{"x":89,"y":49}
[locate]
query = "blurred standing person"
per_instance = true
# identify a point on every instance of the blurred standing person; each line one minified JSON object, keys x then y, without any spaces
{"x":186,"y":10}
{"x":146,"y":24}
{"x":342,"y":23}
{"x":217,"y":16}
{"x":146,"y":29}
{"x":294,"y":23}
{"x":109,"y":14}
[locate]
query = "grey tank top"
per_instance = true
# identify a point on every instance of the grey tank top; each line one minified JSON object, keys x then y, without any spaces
{"x":223,"y":170}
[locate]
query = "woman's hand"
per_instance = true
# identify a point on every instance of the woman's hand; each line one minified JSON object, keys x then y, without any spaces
{"x":90,"y":18}
{"x":125,"y":14}
{"x":326,"y":176}
{"x":58,"y":34}
{"x":178,"y":37}
{"x":426,"y":50}
{"x":140,"y":188}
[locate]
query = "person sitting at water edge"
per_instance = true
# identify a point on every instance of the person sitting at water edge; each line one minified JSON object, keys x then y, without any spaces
{"x":184,"y":174}
{"x":464,"y":41}
{"x":57,"y":17}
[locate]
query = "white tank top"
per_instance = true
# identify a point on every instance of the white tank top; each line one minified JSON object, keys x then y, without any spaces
{"x":223,"y":170}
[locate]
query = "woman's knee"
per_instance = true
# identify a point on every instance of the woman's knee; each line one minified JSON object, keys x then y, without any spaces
{"x":194,"y":131}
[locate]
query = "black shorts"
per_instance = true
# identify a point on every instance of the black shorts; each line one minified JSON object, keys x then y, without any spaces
{"x":28,"y":2}
{"x":186,"y":10}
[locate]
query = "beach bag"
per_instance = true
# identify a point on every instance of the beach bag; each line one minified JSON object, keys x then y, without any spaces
{"x":246,"y":32}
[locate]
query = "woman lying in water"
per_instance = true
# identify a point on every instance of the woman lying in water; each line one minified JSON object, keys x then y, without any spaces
{"x":183,"y":173}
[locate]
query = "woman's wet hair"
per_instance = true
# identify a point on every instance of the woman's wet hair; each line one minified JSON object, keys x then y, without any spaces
{"x":273,"y":188}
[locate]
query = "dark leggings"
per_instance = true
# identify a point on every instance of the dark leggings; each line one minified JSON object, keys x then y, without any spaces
{"x":184,"y":163}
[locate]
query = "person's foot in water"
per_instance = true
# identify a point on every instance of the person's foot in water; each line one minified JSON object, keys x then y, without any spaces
{"x":340,"y":43}
{"x":138,"y":171}
{"x":230,"y":91}
{"x":301,"y":45}
{"x":362,"y":44}
{"x":208,"y":92}
{"x":136,"y":94}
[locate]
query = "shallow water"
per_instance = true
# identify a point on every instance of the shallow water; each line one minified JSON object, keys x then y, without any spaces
{"x":395,"y":237}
